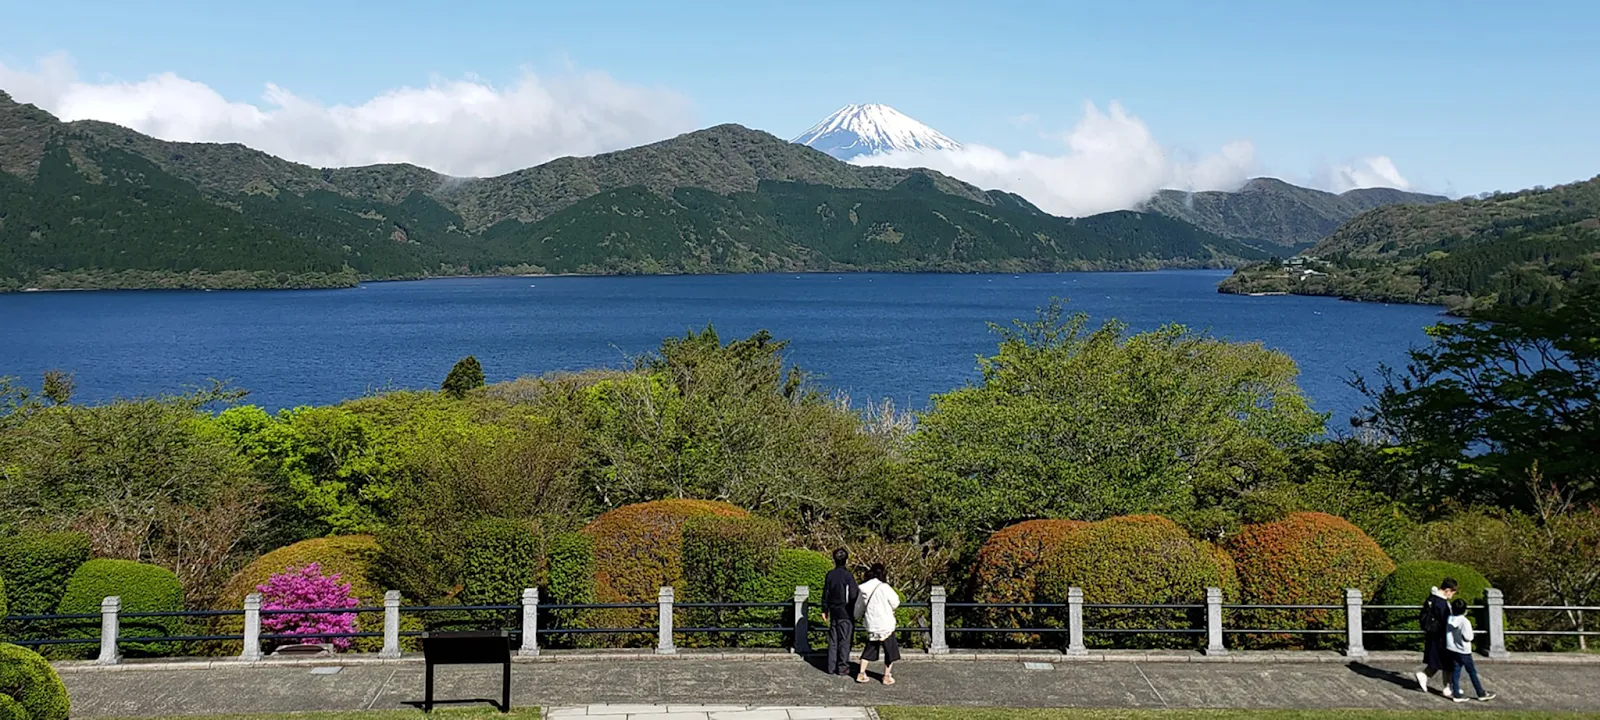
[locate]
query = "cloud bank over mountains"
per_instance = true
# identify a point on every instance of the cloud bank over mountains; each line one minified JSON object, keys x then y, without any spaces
{"x":463,"y":127}
{"x":468,"y":127}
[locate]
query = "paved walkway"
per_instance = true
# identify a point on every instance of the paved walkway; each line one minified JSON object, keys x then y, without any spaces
{"x":230,"y":688}
{"x":706,"y":712}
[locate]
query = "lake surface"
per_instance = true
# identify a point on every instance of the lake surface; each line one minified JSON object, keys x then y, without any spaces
{"x":903,"y":337}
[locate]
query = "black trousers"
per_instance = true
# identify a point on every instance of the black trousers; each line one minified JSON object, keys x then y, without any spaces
{"x":891,"y":651}
{"x":841,"y":634}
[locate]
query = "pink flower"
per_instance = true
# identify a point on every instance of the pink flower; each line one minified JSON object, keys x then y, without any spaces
{"x":306,"y":588}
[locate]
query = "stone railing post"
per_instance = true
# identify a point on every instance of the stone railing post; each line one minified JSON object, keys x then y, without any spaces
{"x":1075,"y":644}
{"x":109,"y":625}
{"x":391,"y":625}
{"x":802,"y":630}
{"x":1497,"y":622}
{"x":664,"y":645}
{"x":1355,"y":644}
{"x":936,"y":641}
{"x":252,"y":628}
{"x":1214,"y":644}
{"x":530,"y":623}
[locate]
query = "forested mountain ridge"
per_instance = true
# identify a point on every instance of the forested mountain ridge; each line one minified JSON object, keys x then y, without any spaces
{"x":1277,"y":212}
{"x":89,"y":204}
{"x":1522,"y":248}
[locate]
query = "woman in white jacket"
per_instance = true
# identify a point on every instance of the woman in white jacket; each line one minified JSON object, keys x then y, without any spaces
{"x":876,"y":605}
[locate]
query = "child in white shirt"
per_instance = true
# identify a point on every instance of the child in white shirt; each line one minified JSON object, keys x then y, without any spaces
{"x":1458,"y":641}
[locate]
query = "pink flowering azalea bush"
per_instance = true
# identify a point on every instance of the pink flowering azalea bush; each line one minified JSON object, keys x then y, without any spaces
{"x":306,"y":588}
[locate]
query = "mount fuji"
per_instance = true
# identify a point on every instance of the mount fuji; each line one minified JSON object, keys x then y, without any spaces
{"x":856,"y":130}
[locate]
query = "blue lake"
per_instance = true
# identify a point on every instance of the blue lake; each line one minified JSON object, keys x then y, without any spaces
{"x":903,"y":337}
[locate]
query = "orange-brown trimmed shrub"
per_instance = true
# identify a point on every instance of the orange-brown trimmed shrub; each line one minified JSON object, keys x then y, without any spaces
{"x":1007,"y":571}
{"x":639,"y":548}
{"x":1137,"y":559}
{"x":1306,"y":558}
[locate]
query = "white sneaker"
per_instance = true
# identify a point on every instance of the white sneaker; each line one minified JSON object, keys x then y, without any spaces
{"x":1460,"y":698}
{"x":1422,"y":681}
{"x":1486,"y":697}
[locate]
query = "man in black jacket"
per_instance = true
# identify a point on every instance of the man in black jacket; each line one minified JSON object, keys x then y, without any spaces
{"x":839,"y":594}
{"x":1435,"y":623}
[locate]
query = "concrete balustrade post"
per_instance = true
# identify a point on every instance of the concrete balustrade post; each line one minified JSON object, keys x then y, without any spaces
{"x":1075,"y":644}
{"x":936,"y":643}
{"x":802,"y":630}
{"x":1496,"y":601}
{"x":1355,"y":644}
{"x":1214,"y":644}
{"x":391,"y":625}
{"x":109,"y":626}
{"x":252,"y":628}
{"x":664,"y":644}
{"x":530,"y":623}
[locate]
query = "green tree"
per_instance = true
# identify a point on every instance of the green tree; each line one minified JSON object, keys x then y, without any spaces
{"x":1082,"y":423}
{"x":1474,"y":411}
{"x":464,"y":377}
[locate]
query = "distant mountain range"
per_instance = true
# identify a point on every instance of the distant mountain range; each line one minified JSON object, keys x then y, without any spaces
{"x":1276,"y":212}
{"x":1506,"y":249}
{"x":90,"y":204}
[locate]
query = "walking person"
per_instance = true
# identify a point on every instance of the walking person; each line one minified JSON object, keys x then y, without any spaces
{"x":877,"y":606}
{"x":1459,"y":642}
{"x":839,"y":595}
{"x":1435,"y":622}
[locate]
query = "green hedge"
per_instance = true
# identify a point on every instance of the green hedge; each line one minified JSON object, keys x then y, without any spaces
{"x":29,"y":687}
{"x":36,"y":568}
{"x":142,"y":587}
{"x":3,"y":610}
{"x":571,"y":569}
{"x":727,"y":559}
{"x":501,"y":558}
{"x":1409,"y":585}
{"x":792,"y":569}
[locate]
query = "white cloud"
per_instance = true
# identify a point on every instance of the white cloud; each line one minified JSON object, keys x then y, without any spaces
{"x":464,"y":127}
{"x":1110,"y":162}
{"x":1367,"y":172}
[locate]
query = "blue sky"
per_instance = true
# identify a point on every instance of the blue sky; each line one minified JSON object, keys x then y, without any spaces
{"x":1462,"y":96}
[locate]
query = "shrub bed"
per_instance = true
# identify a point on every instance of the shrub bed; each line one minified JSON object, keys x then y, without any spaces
{"x":1138,"y":559}
{"x":1304,"y":559}
{"x":349,"y":556}
{"x":141,"y":587}
{"x":1409,"y":585}
{"x":29,"y":688}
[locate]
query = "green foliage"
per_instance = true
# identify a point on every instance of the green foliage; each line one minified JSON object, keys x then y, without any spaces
{"x":37,"y":566}
{"x":572,"y":567}
{"x":352,"y":557}
{"x":638,"y":549}
{"x":1340,"y":477}
{"x":3,"y":605}
{"x":29,"y":688}
{"x":727,"y":559}
{"x":142,"y":588}
{"x":1139,"y":559}
{"x":465,"y":376}
{"x":1410,"y":584}
{"x":794,"y":568}
{"x":502,"y":557}
{"x":1086,"y":424}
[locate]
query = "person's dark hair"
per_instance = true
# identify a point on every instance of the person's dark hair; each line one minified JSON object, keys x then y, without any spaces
{"x":878,"y":572}
{"x":1447,"y":584}
{"x":1458,"y":607}
{"x":840,"y":557}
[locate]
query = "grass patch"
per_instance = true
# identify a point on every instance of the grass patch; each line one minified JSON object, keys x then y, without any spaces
{"x":473,"y":713}
{"x":970,"y":713}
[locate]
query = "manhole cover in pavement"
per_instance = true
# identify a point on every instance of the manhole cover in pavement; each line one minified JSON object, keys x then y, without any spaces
{"x":1038,"y":666}
{"x":326,"y":670}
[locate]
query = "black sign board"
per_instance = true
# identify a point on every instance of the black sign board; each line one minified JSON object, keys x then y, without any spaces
{"x":492,"y":647}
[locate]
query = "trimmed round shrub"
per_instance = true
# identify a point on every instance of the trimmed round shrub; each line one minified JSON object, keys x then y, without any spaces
{"x":29,"y":688}
{"x":1409,"y":585}
{"x":1304,"y":559}
{"x":792,"y":569}
{"x":142,"y":588}
{"x":501,"y":558}
{"x":638,"y":548}
{"x":1007,"y":571}
{"x":348,"y":556}
{"x":571,"y":569}
{"x":36,"y":567}
{"x":1138,"y":559}
{"x":727,"y":559}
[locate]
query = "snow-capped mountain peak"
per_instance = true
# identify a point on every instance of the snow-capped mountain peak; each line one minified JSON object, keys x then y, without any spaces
{"x":855,"y":130}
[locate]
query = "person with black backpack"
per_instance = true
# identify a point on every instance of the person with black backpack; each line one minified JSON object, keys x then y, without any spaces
{"x":1435,"y":622}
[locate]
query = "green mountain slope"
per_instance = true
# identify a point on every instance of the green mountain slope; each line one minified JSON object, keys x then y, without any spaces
{"x":1276,"y":212}
{"x":1517,"y":248}
{"x":94,"y":205}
